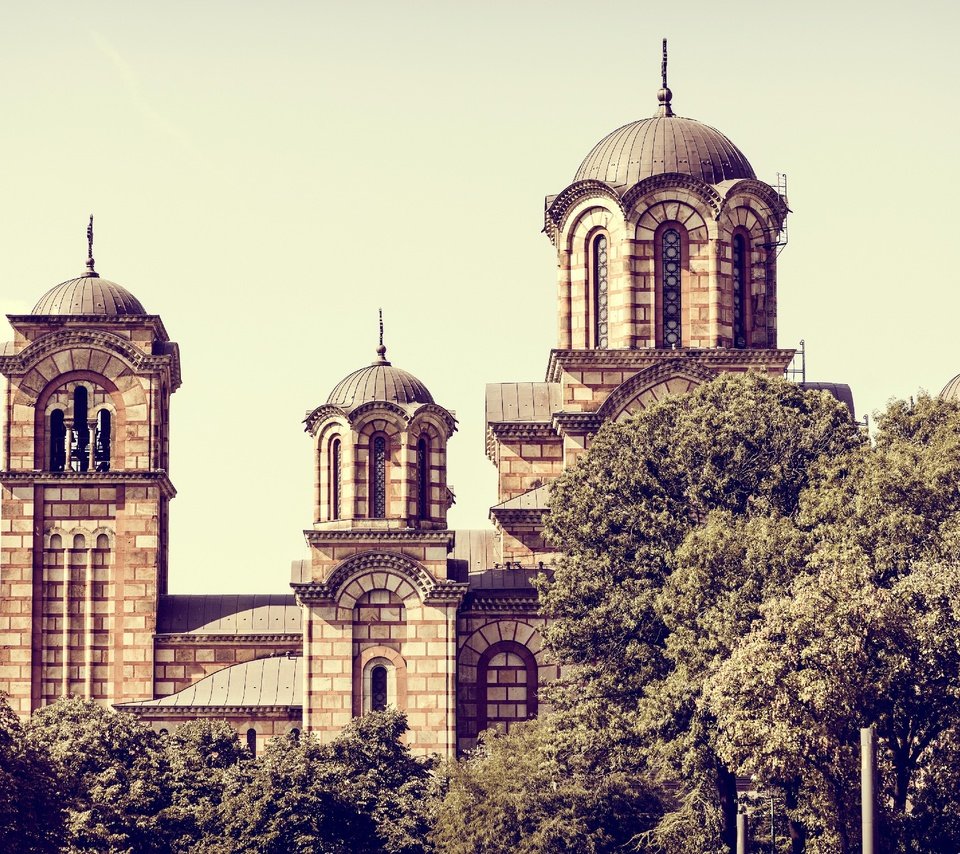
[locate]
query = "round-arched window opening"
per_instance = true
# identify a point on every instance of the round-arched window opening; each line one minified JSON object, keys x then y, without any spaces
{"x":252,"y":742}
{"x":79,"y":541}
{"x":103,"y":542}
{"x":378,"y":688}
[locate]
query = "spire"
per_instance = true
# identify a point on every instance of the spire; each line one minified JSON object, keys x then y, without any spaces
{"x":664,"y":95}
{"x":381,"y":350}
{"x":91,"y":272}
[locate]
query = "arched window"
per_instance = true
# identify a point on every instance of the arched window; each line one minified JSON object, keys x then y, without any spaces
{"x":739,"y":292}
{"x":378,"y":478}
{"x":671,"y":262}
{"x":252,"y":742}
{"x":58,"y":441}
{"x":101,"y":446}
{"x":56,"y":542}
{"x":379,"y":685}
{"x":333,"y":479}
{"x":423,"y":478}
{"x":79,"y":541}
{"x":103,"y":542}
{"x":378,"y":688}
{"x":507,"y":686}
{"x":80,"y":444}
{"x":599,"y":291}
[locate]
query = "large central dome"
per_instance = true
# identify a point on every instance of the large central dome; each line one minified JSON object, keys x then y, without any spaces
{"x":664,"y":143}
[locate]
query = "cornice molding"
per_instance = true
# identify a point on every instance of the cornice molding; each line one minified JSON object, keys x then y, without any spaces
{"x":326,"y":411}
{"x":88,"y":478}
{"x":718,"y":359}
{"x":291,"y":712}
{"x":363,"y":536}
{"x":576,"y":422}
{"x":508,"y":603}
{"x":194,"y":638}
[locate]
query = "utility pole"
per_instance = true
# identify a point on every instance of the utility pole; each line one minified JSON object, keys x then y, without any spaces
{"x":868,"y":794}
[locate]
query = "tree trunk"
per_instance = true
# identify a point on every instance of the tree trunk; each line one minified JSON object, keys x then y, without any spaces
{"x":727,"y":791}
{"x":798,"y":833}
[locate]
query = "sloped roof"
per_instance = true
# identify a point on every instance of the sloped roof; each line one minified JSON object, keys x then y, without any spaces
{"x":229,"y":614}
{"x":522,"y":401}
{"x":263,"y":682}
{"x":532,"y":499}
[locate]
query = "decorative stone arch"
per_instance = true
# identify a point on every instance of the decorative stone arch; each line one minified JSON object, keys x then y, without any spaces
{"x":378,"y":410}
{"x":653,"y":212}
{"x":103,"y":531}
{"x":529,"y":691}
{"x":516,"y":631}
{"x":671,"y":187}
{"x":587,"y":217}
{"x":676,"y":376}
{"x":330,"y":499}
{"x":573,"y":197}
{"x":56,"y":531}
{"x":319,"y":415}
{"x":766,"y":201}
{"x":389,"y":571}
{"x":439,"y":418}
{"x":363,"y":664}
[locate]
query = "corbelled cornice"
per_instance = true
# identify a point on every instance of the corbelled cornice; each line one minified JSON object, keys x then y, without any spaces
{"x":90,"y":478}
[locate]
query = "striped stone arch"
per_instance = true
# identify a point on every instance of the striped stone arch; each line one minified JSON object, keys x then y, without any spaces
{"x":693,"y":217}
{"x":492,"y":633}
{"x":651,"y":385}
{"x":368,"y":571}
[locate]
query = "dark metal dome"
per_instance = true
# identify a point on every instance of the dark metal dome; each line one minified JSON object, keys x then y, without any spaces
{"x":664,"y":143}
{"x":379,"y":381}
{"x":951,"y":391}
{"x":89,"y":294}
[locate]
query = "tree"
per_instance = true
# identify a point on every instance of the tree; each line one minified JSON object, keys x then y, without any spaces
{"x":516,"y":793}
{"x":870,"y":636}
{"x":200,"y":756}
{"x":674,"y":528}
{"x":109,"y":773}
{"x":31,"y":817}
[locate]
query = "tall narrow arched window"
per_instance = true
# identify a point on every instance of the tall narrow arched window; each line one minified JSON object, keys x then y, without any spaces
{"x":378,"y":477}
{"x":739,"y":292}
{"x":423,"y":478}
{"x":378,"y":688}
{"x":333,"y":478}
{"x":252,"y":742}
{"x":101,"y":446}
{"x":671,"y":260}
{"x":598,"y":277}
{"x":58,"y":439}
{"x":80,"y":444}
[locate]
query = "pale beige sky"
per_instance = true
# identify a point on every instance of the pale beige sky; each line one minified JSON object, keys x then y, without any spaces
{"x":264,"y":176}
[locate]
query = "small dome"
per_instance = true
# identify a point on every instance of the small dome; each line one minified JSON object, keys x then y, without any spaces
{"x":662,"y":144}
{"x":89,"y":294}
{"x":951,"y":391}
{"x":379,"y":381}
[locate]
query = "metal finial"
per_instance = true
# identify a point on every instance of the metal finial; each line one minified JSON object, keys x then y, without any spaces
{"x":90,"y":269}
{"x":664,"y":95}
{"x":381,"y":350}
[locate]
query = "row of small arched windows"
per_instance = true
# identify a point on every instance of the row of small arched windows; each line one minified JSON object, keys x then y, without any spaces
{"x":79,"y":445}
{"x":79,"y":542}
{"x":669,"y":273}
{"x":377,"y":478}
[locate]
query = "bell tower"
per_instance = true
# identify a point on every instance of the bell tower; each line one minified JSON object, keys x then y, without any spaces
{"x":380,"y":612}
{"x":85,"y":492}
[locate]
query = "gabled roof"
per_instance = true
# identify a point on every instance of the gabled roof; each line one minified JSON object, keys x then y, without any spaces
{"x":522,"y":401}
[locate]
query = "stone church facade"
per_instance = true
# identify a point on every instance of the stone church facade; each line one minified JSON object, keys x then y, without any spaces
{"x":666,"y":248}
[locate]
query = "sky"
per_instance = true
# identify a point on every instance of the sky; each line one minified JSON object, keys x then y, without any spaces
{"x":266,"y":176}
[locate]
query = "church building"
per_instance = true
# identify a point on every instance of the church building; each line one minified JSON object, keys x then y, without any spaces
{"x":666,"y":247}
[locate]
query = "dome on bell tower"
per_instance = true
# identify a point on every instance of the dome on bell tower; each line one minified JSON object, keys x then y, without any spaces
{"x":379,"y":381}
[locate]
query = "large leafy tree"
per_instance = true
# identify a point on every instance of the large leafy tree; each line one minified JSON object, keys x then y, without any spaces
{"x":675,"y":527}
{"x":31,"y":815}
{"x":108,"y":771}
{"x":519,"y":793}
{"x":870,"y":636}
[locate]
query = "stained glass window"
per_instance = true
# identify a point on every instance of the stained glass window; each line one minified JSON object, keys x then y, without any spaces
{"x":739,"y":293}
{"x":378,"y":471}
{"x":670,"y":250}
{"x":600,"y":291}
{"x":423,"y":479}
{"x":335,"y":479}
{"x":378,"y":688}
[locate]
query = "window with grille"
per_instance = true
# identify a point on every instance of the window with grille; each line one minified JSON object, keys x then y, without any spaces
{"x":739,"y":292}
{"x":378,"y":478}
{"x":423,"y":479}
{"x":600,"y":292}
{"x":671,"y":249}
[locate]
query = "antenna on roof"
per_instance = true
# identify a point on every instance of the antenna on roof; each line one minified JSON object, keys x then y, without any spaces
{"x":90,"y":270}
{"x":664,"y":95}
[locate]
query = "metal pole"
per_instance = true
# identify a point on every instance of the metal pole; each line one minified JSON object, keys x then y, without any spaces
{"x":868,"y":773}
{"x":741,"y":833}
